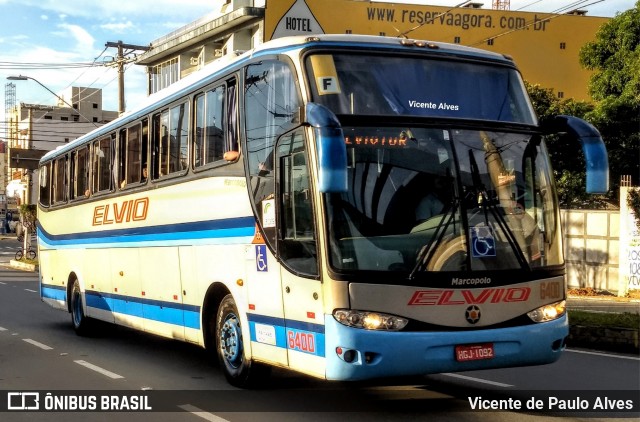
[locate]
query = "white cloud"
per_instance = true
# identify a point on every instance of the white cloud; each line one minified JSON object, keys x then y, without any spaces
{"x":84,"y":40}
{"x":119,"y":27}
{"x":44,"y":17}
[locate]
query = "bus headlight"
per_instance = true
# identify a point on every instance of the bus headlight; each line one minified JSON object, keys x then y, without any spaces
{"x":548,"y":312}
{"x":369,"y":320}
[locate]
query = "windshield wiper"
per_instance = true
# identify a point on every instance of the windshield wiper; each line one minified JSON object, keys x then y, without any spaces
{"x":488,"y":204}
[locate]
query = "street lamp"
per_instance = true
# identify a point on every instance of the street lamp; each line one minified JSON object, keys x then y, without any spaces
{"x":24,"y":78}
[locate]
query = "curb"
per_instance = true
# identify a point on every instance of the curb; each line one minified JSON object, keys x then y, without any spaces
{"x":18,"y":265}
{"x":613,"y":339}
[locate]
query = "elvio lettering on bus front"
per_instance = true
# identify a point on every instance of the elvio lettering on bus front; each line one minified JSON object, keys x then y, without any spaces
{"x":467,"y":297}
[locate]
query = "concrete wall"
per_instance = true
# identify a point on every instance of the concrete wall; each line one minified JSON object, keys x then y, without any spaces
{"x":591,"y":246}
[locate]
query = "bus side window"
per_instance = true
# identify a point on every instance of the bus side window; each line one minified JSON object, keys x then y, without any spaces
{"x":60,"y":180}
{"x":133,"y":154}
{"x":231,"y":148}
{"x":122,"y":159}
{"x":80,"y":189}
{"x":102,"y":162}
{"x":44,"y":174}
{"x":170,"y":141}
{"x":72,"y":175}
{"x":176,"y":153}
{"x":209,"y":142}
{"x":297,"y":240}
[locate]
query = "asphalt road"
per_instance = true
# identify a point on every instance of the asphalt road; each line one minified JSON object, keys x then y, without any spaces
{"x":40,"y":352}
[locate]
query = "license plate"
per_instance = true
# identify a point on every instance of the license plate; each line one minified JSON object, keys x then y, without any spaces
{"x":469,"y":352}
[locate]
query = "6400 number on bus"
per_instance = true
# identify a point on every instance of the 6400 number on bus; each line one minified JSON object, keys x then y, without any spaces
{"x":304,"y":342}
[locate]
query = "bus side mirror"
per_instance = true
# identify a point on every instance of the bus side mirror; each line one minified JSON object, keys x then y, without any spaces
{"x":332,"y":150}
{"x":593,"y":148}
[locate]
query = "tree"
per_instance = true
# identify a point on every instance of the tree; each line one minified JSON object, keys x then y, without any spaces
{"x":614,"y":58}
{"x":568,"y":166}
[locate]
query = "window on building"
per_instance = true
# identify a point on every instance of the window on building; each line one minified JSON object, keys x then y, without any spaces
{"x":163,"y":75}
{"x":95,"y":120}
{"x":560,"y":94}
{"x":563,"y":46}
{"x":348,"y":31}
{"x":456,"y":40}
{"x":490,"y":41}
{"x":48,"y":117}
{"x":64,"y":118}
{"x":95,"y":105}
{"x":382,"y":34}
{"x":76,"y":118}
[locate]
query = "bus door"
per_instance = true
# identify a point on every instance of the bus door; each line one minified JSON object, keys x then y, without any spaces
{"x":297,"y":250}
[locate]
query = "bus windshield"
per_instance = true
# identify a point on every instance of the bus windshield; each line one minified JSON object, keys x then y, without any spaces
{"x":407,"y":86}
{"x":444,"y":199}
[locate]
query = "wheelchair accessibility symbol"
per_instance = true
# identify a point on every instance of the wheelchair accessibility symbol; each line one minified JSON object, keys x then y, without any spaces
{"x":261,"y":258}
{"x":483,"y":242}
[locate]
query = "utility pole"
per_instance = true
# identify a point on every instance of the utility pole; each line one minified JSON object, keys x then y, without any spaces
{"x":123,"y":58}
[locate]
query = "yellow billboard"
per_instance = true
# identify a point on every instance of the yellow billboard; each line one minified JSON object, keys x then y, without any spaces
{"x":545,"y":46}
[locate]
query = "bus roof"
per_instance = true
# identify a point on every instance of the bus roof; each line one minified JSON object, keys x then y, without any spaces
{"x":214,"y":69}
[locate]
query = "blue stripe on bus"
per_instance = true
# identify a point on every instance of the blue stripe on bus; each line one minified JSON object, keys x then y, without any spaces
{"x":299,"y":336}
{"x":231,"y":227}
{"x":155,"y":310}
{"x":289,"y":334}
{"x":53,"y":292}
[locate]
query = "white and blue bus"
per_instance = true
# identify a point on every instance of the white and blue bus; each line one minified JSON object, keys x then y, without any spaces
{"x":348,"y":207}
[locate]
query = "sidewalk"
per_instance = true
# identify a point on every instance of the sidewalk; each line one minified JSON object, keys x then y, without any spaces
{"x":609,"y":304}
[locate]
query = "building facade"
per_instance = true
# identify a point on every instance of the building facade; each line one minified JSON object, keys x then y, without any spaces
{"x":34,"y":129}
{"x":545,"y":46}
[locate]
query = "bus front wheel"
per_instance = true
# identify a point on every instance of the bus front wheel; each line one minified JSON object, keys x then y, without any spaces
{"x":78,"y":318}
{"x":238,"y":370}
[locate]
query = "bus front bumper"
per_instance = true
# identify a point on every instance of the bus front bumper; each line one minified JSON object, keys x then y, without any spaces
{"x":359,"y":354}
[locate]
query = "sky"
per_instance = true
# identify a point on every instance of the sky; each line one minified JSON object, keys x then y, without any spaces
{"x":42,"y":38}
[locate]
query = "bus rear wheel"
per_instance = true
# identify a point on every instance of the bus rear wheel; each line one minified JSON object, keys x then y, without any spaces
{"x":80,"y":321}
{"x":238,"y":370}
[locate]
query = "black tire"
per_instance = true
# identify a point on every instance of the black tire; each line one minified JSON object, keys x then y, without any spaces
{"x":31,"y":254}
{"x":81,"y":323}
{"x":19,"y":255}
{"x":238,"y":370}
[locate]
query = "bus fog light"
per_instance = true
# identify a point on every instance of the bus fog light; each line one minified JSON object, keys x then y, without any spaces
{"x":369,"y":320}
{"x":548,"y":312}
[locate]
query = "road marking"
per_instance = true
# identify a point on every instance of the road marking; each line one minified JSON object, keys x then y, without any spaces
{"x":3,"y":329}
{"x":37,"y":344}
{"x":201,"y":413}
{"x":32,"y":291}
{"x":98,"y":369}
{"x":480,"y":380}
{"x":2,"y":282}
{"x":608,"y":355}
